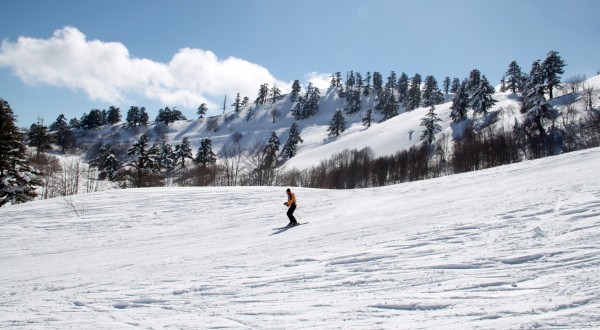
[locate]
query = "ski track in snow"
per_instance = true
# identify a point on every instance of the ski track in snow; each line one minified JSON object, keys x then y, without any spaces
{"x":511,"y":247}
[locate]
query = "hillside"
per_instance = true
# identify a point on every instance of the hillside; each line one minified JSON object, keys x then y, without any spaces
{"x":255,"y":124}
{"x":515,"y":246}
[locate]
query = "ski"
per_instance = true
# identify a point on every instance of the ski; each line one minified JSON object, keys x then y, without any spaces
{"x":289,"y":227}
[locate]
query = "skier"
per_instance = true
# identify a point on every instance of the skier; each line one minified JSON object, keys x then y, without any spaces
{"x":291,"y":204}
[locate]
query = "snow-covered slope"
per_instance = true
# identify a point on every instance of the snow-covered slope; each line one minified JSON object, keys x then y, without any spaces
{"x":511,"y":247}
{"x":254,"y":124}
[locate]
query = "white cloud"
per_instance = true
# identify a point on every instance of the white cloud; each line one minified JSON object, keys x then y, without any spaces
{"x":105,"y":71}
{"x":319,"y":80}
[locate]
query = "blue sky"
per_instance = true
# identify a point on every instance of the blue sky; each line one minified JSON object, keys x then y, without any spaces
{"x":72,"y":56}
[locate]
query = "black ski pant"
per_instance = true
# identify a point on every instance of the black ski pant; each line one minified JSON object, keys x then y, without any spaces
{"x":290,"y":213}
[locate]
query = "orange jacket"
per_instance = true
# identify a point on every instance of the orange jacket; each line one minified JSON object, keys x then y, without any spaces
{"x":291,"y":199}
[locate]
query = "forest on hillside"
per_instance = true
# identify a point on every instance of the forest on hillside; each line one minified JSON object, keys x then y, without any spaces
{"x":31,"y":167}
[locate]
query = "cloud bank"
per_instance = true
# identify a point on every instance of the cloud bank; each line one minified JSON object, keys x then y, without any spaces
{"x":106,"y":72}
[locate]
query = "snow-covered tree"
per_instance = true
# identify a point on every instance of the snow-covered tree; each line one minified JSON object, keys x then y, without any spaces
{"x":107,"y":164}
{"x":402,"y":87}
{"x":552,"y":68}
{"x":168,"y":115}
{"x":263,"y":94}
{"x":388,"y":105}
{"x":455,"y":85}
{"x":377,"y":83}
{"x":205,"y":154}
{"x":114,"y":115}
{"x":431,"y":94}
{"x":460,"y":104}
{"x":289,"y":148}
{"x":270,"y":150}
{"x":353,"y":100}
{"x":337,"y":124}
{"x":482,"y":99}
{"x":63,"y":135}
{"x":413,"y":98}
{"x":368,"y":88}
{"x":166,"y":158}
{"x":183,"y":151}
{"x":514,"y":77}
{"x":39,"y":137}
{"x":296,"y":89}
{"x":17,"y":179}
{"x":274,"y":93}
{"x":430,"y":122}
{"x":473,"y":81}
{"x":237,"y":103}
{"x":535,"y":106}
{"x":446,"y":85}
{"x":202,"y":109}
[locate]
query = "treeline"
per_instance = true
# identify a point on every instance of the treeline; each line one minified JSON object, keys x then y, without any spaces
{"x":474,"y":150}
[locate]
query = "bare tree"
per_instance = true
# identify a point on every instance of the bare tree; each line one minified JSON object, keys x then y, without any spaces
{"x":575,"y":82}
{"x":275,"y":113}
{"x":590,"y":97}
{"x":231,"y":164}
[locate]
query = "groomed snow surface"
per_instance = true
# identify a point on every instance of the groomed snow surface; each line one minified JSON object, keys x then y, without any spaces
{"x":511,"y":247}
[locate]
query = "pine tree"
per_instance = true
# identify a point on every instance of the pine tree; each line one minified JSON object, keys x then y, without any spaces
{"x":169,"y":116}
{"x":205,"y":154}
{"x":263,"y":94}
{"x":473,"y":81}
{"x":142,"y":156}
{"x":39,"y":138}
{"x":402,"y":87}
{"x":107,"y":164}
{"x":63,"y":134}
{"x":552,"y":68}
{"x":312,"y":100}
{"x":183,"y":151}
{"x":482,"y":99}
{"x":337,"y":124}
{"x":377,"y":83}
{"x":336,"y":80}
{"x":289,"y":148}
{"x":455,"y":85}
{"x":431,"y":93}
{"x":274,"y":93}
{"x":514,"y":77}
{"x":353,"y":104}
{"x":167,"y":157}
{"x":237,"y":104}
{"x":430,"y":122}
{"x":17,"y":179}
{"x":270,"y":150}
{"x":368,"y":89}
{"x":297,"y":109}
{"x":144,"y":118}
{"x":350,"y":81}
{"x":446,"y":85}
{"x":133,"y":115}
{"x":460,"y":104}
{"x":413,"y":99}
{"x":368,"y":119}
{"x":202,"y":109}
{"x":113,"y":116}
{"x":296,"y":89}
{"x":392,"y":82}
{"x":535,"y":106}
{"x":388,"y":105}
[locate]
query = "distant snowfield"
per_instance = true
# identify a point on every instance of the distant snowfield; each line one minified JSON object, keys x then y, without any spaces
{"x":514,"y":247}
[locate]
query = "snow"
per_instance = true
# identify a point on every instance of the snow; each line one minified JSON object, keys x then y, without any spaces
{"x":510,"y":247}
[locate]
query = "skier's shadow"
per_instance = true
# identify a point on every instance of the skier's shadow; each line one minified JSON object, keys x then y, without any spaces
{"x":281,"y":230}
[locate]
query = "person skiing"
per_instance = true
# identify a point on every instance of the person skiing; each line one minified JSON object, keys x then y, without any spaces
{"x":291,"y":204}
